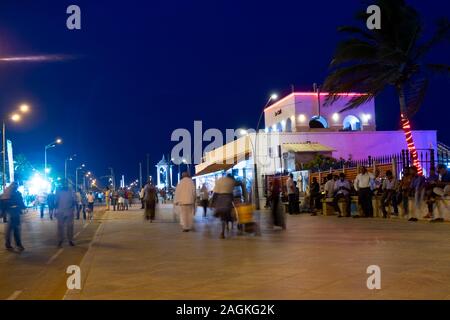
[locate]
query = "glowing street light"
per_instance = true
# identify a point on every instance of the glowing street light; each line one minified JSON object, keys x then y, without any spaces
{"x":65,"y":164}
{"x":48,"y":146}
{"x":76,"y":175}
{"x":15,"y":117}
{"x":24,"y":108}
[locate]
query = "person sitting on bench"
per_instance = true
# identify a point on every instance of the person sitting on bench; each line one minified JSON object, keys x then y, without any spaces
{"x":342,"y":189}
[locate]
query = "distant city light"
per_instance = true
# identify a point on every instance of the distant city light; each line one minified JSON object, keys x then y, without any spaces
{"x":47,"y":170}
{"x":38,"y":185}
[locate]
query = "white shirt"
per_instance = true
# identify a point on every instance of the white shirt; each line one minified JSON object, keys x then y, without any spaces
{"x":389,"y":184}
{"x":363,"y":180}
{"x":290,"y":186}
{"x":338,"y":184}
{"x":185,"y":193}
{"x":329,"y":188}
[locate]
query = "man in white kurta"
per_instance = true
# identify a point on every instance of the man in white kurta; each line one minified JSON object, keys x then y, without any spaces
{"x":185,"y":195}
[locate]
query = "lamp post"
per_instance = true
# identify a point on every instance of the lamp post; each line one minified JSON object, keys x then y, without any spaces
{"x":50,"y":145}
{"x":255,"y":167}
{"x":178,"y":173}
{"x":65,"y":165}
{"x":16,"y":117}
{"x":113,"y":178}
{"x":76,"y":175}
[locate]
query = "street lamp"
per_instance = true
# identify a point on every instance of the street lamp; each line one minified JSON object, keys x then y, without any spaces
{"x":15,"y":117}
{"x":65,"y":164}
{"x":188,"y":165}
{"x":76,"y":175}
{"x":255,"y":167}
{"x":50,"y":145}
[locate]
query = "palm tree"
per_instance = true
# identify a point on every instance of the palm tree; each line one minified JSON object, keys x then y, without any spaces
{"x":22,"y":167}
{"x":395,"y":55}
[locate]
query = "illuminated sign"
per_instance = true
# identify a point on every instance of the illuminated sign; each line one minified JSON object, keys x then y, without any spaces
{"x":10,"y":160}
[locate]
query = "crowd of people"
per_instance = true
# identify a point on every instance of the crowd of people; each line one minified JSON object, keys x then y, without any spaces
{"x":228,"y":193}
{"x":63,"y":204}
{"x":392,"y":192}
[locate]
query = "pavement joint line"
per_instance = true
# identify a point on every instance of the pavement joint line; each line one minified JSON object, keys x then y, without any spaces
{"x":94,"y":239}
{"x":15,"y":295}
{"x":52,"y":258}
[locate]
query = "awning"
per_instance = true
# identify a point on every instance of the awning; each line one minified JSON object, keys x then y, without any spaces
{"x":214,"y":168}
{"x":306,"y":147}
{"x":225,"y":157}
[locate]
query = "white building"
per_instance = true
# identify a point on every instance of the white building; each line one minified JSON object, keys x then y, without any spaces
{"x":297,"y":128}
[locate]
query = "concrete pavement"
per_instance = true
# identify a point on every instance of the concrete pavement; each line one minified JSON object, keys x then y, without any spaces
{"x":40,"y":271}
{"x":316,"y":258}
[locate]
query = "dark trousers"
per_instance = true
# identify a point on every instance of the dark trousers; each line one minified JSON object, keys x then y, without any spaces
{"x":13,"y":227}
{"x":314,"y":201}
{"x":291,"y":206}
{"x":389,"y":197}
{"x":205,"y":207}
{"x":79,"y":208}
{"x":142,"y":203}
{"x":91,"y":206}
{"x":42,"y":208}
{"x":365,"y":201}
{"x":114,"y":204}
{"x":338,"y":197}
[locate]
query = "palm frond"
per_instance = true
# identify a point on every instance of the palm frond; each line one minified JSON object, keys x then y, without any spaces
{"x":415,"y":94}
{"x":354,"y":50}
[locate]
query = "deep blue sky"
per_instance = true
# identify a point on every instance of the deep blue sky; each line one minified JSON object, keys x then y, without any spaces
{"x":148,"y":67}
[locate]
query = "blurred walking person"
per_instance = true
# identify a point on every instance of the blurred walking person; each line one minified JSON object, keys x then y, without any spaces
{"x":141,"y":197}
{"x":115,"y":200}
{"x":13,"y":205}
{"x":363,"y":184}
{"x":150,"y":199}
{"x":185,"y":197}
{"x":204,"y":198}
{"x":222,"y":201}
{"x":42,"y":200}
{"x":130,"y":198}
{"x":277,"y":212}
{"x":108,"y":198}
{"x":51,"y":204}
{"x":291,"y":194}
{"x":65,"y":212}
{"x":90,"y":201}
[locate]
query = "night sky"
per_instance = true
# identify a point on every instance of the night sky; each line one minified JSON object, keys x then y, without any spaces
{"x":145,"y":68}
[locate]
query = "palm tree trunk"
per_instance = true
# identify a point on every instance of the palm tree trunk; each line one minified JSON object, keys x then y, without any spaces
{"x":406,"y":126}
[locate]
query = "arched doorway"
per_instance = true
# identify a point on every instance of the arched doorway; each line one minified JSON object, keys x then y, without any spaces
{"x":351,"y":123}
{"x":288,"y":125}
{"x":279,"y":127}
{"x":318,"y":122}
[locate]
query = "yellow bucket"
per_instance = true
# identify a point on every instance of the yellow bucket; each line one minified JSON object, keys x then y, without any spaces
{"x":245,"y":213}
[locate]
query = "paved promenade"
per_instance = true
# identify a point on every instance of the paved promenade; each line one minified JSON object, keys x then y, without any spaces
{"x":316,"y":258}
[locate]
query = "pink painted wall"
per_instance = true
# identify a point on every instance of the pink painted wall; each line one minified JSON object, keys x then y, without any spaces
{"x":362,"y":144}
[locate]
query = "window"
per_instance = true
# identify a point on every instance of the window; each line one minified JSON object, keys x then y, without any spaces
{"x":351,"y":123}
